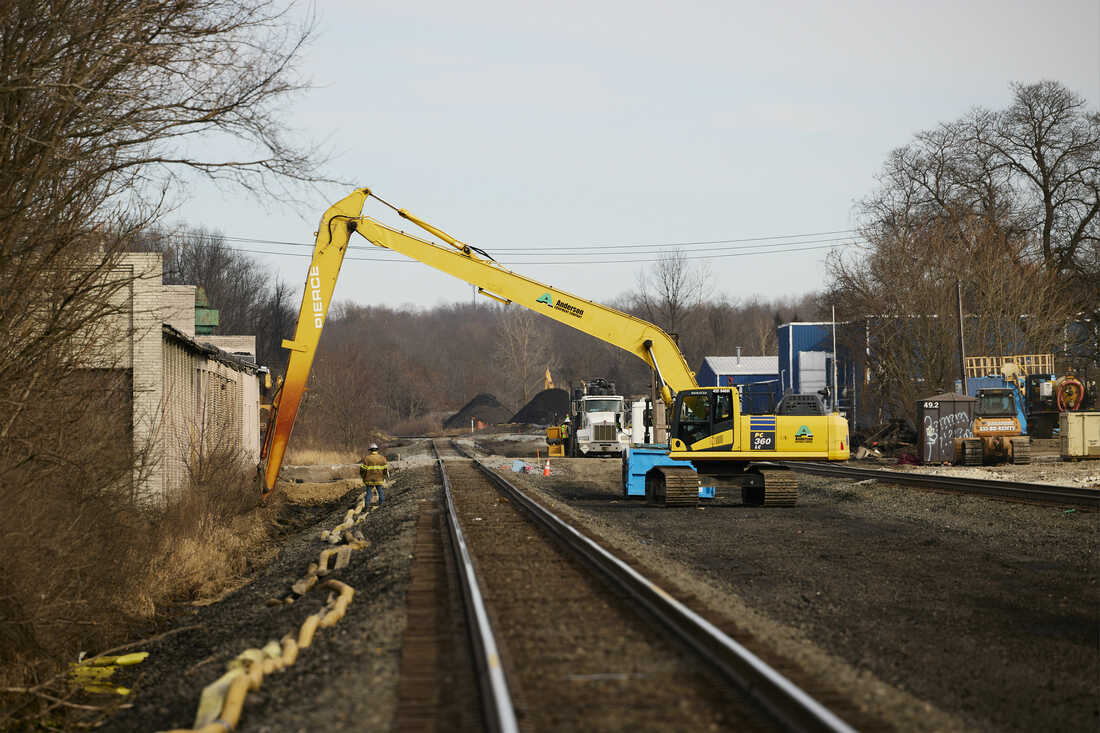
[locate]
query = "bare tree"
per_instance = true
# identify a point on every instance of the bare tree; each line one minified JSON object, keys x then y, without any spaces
{"x":903,"y":288}
{"x":102,"y":104}
{"x":343,"y":395}
{"x":1050,"y":144}
{"x":668,"y":291}
{"x":524,"y":352}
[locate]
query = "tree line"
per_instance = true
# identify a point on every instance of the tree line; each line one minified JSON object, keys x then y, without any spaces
{"x":999,"y":207}
{"x":1002,"y":206}
{"x":406,"y":369}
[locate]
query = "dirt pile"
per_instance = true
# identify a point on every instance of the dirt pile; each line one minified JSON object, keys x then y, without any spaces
{"x":548,"y":407}
{"x":483,"y":408}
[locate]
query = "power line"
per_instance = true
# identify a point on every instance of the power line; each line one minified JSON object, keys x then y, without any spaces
{"x":595,"y":248}
{"x":786,"y":250}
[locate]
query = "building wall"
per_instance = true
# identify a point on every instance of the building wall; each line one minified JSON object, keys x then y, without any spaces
{"x":179,"y":415}
{"x":806,"y":363}
{"x":178,"y":308}
{"x":185,"y":396}
{"x":210,"y":407}
{"x":147,"y":369}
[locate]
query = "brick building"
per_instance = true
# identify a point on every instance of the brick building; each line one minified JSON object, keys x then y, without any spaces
{"x":192,"y":395}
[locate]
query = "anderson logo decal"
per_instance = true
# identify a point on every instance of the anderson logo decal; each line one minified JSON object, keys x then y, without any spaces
{"x":803,"y":435}
{"x":561,"y":305}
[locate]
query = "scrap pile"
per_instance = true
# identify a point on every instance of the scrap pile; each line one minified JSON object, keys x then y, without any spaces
{"x":548,"y":407}
{"x":484,"y":408}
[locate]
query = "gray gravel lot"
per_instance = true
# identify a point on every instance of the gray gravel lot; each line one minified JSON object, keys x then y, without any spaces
{"x":935,"y":612}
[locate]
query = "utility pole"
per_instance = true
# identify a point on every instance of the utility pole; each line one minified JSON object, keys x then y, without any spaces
{"x":836,"y":395}
{"x":962,"y":338}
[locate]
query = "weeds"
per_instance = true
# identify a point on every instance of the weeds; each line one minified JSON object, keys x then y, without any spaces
{"x":320,"y":457}
{"x":83,"y":571}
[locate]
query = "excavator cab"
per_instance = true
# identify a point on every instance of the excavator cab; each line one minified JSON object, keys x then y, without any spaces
{"x":996,"y":403}
{"x":699,"y":414}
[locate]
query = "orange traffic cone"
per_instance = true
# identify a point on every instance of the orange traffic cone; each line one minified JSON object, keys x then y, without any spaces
{"x":546,"y":469}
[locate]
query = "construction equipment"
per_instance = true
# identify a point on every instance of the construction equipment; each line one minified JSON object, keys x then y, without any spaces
{"x":707,"y":427}
{"x":599,"y":421}
{"x":1041,"y":396}
{"x":998,"y":432}
{"x":1069,"y":393}
{"x":555,"y":441}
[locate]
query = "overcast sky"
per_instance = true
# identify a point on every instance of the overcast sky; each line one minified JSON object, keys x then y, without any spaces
{"x":540,"y":127}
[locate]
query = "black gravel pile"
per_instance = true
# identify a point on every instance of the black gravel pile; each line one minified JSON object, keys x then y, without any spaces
{"x":484,"y":408}
{"x":548,"y":407}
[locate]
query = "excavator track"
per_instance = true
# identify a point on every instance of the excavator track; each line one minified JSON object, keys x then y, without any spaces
{"x":1021,"y":450}
{"x":972,"y":452}
{"x":774,"y":487}
{"x":672,"y":486}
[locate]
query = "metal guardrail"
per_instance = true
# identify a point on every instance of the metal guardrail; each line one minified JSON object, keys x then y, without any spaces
{"x":1018,"y":490}
{"x":789,"y":705}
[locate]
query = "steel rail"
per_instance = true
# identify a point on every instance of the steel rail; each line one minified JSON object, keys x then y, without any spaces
{"x":789,"y":705}
{"x":1019,"y":490}
{"x":500,"y":714}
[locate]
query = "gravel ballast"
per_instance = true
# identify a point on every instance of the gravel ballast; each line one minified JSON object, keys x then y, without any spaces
{"x":931,"y":611}
{"x":937,"y":611}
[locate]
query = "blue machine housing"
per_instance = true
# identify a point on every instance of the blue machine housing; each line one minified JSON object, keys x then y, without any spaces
{"x":638,"y":460}
{"x":977,"y":384}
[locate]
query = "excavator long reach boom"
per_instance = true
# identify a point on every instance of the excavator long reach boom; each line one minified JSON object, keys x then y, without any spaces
{"x":645,"y":340}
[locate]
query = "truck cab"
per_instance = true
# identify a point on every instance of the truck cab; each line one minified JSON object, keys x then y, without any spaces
{"x":599,"y":422}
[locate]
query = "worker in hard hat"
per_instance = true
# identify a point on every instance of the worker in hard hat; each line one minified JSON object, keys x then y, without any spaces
{"x":374,"y":471}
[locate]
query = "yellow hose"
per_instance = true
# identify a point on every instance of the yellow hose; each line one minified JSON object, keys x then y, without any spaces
{"x":247,"y":670}
{"x":290,"y":650}
{"x":234,"y":701}
{"x":309,"y":628}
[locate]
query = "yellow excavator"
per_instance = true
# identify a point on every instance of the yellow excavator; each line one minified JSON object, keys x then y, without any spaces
{"x":707,"y":429}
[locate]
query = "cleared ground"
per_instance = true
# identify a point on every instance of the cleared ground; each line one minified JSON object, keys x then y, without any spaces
{"x":935,"y":612}
{"x":939,"y":611}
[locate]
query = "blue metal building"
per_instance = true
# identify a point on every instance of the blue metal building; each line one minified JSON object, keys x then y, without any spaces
{"x":756,"y":379}
{"x":806,"y":364}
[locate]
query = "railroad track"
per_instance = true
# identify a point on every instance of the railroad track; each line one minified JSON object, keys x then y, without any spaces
{"x":577,"y":647}
{"x":447,"y":449}
{"x":1015,"y":490}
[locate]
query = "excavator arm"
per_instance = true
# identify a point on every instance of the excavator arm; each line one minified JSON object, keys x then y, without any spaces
{"x":646,"y":341}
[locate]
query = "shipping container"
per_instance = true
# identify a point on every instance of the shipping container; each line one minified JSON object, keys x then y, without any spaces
{"x":942,"y":418}
{"x":1080,"y":432}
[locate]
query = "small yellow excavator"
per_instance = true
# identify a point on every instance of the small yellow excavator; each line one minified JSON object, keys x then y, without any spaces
{"x":707,"y":429}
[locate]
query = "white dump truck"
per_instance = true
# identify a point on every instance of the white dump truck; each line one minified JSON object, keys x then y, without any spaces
{"x":599,"y":423}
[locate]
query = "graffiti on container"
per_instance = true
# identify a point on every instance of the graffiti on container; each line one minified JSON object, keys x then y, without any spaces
{"x":945,"y":429}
